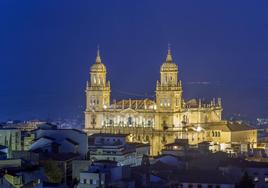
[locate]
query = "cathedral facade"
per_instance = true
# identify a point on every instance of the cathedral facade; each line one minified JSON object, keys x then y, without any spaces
{"x":155,"y":121}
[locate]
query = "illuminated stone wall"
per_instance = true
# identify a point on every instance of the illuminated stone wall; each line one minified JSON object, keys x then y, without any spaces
{"x":158,"y":121}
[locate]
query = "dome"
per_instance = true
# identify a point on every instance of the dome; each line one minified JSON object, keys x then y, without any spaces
{"x":169,"y":65}
{"x":98,"y":66}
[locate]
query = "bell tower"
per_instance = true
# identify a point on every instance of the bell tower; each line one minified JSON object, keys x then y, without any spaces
{"x":168,"y":93}
{"x":169,"y":89}
{"x":97,"y":94}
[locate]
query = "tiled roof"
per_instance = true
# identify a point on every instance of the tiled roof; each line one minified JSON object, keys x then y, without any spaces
{"x":105,"y":162}
{"x":239,"y":126}
{"x":108,"y":135}
{"x":45,"y":137}
{"x":138,"y":145}
{"x":201,"y":176}
{"x":229,"y":126}
{"x":244,"y":163}
{"x":71,"y":141}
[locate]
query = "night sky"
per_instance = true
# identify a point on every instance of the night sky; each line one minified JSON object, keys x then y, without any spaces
{"x":47,"y":47}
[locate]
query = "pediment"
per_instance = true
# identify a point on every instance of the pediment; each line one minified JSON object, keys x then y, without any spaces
{"x":129,"y":111}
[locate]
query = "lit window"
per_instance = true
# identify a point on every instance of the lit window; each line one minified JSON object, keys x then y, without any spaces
{"x":94,"y":80}
{"x":256,"y":179}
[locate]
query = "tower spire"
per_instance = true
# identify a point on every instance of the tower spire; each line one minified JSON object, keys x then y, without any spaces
{"x":98,"y":58}
{"x":169,"y":56}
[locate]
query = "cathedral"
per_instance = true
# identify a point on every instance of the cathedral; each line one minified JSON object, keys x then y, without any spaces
{"x":155,"y":121}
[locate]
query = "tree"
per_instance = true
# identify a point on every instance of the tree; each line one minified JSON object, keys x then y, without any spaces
{"x":246,"y":182}
{"x":52,"y":171}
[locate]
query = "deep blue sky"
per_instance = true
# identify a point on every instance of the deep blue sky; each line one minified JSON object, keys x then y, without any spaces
{"x":47,"y":47}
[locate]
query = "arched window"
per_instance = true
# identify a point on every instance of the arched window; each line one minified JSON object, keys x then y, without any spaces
{"x":94,"y":80}
{"x":129,"y":121}
{"x":185,"y":119}
{"x":206,"y":118}
{"x":93,"y":118}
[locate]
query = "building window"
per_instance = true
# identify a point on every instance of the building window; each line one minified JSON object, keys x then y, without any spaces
{"x":185,"y":119}
{"x":129,"y":121}
{"x":266,"y":179}
{"x":199,"y":186}
{"x":190,"y":186}
{"x":94,"y":182}
{"x":90,"y":181}
{"x":177,"y":101}
{"x":93,"y":119}
{"x":218,"y":186}
{"x":85,"y":181}
{"x":94,"y":79}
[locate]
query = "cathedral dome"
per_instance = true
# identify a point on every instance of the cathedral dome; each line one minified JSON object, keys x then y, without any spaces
{"x":169,"y":65}
{"x":98,"y":66}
